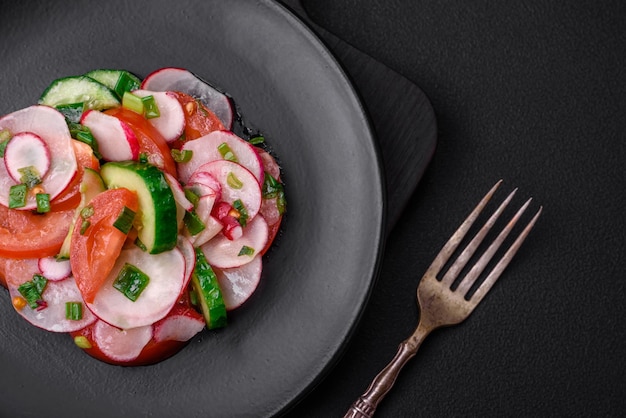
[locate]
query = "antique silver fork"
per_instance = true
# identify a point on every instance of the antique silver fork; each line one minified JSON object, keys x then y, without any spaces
{"x":439,"y":304}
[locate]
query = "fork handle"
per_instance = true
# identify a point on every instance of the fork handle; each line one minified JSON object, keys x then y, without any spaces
{"x":366,"y":404}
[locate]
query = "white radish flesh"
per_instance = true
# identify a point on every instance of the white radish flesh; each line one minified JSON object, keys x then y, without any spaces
{"x":207,"y":148}
{"x":222,"y":252}
{"x":26,"y":150}
{"x":52,"y":317}
{"x":166,"y":272}
{"x":269,"y":163}
{"x":237,"y":183}
{"x":116,"y":140}
{"x":179,"y":325}
{"x":178,"y":192}
{"x":179,"y":79}
{"x":239,"y":283}
{"x":212,"y":226}
{"x":171,"y":120}
{"x":189,"y":253}
{"x":49,"y":125}
{"x":54,"y":269}
{"x":121,"y":345}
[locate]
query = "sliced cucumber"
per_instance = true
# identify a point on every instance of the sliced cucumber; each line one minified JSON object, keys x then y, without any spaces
{"x":156,"y":221}
{"x":207,"y":288}
{"x":90,"y":185}
{"x":117,"y":80}
{"x":79,"y":89}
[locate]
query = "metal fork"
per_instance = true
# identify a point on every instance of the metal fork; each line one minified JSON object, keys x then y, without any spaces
{"x":439,"y":304}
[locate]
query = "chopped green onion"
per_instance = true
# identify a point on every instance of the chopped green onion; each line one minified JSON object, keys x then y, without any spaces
{"x":181,"y":156}
{"x":257,"y":140}
{"x":125,"y":83}
{"x":72,"y":111}
{"x":143,"y":157}
{"x":226,"y":152}
{"x":125,"y":220}
{"x":83,"y":134}
{"x":273,"y":189}
{"x":150,"y":108}
{"x":5,"y":136}
{"x":233,"y":181}
{"x":43,"y":202}
{"x":132,"y":102}
{"x":82,"y":342}
{"x":17,"y":196}
{"x":30,"y":176}
{"x":32,"y":291}
{"x":192,"y":196}
{"x":193,"y":222}
{"x":74,"y":311}
{"x":243,"y":213}
{"x":83,"y":226}
{"x":87,"y":211}
{"x":131,"y":281}
{"x":245,"y":250}
{"x":140,"y":244}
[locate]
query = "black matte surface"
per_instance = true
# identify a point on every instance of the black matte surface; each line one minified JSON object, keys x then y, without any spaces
{"x":532,"y":92}
{"x":316,"y":280}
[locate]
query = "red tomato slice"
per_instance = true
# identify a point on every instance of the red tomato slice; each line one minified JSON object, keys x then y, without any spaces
{"x":199,"y":120}
{"x":70,"y":197}
{"x":93,"y":252}
{"x":151,"y":143}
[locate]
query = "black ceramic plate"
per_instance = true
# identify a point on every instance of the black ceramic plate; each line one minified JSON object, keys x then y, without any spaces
{"x":316,"y":279}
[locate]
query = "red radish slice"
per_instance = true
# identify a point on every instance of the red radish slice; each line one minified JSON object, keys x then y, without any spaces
{"x":212,"y":226}
{"x":54,"y":269}
{"x":203,"y":184}
{"x":269,"y":163}
{"x":52,"y":316}
{"x":224,"y":253}
{"x":25,"y":150}
{"x":178,"y":192}
{"x":179,"y":79}
{"x":181,"y":324}
{"x":166,"y":272}
{"x":116,"y":140}
{"x":237,"y":183}
{"x":171,"y":120}
{"x":49,"y":125}
{"x":239,"y":283}
{"x":121,"y":345}
{"x":207,"y":148}
{"x":189,"y":253}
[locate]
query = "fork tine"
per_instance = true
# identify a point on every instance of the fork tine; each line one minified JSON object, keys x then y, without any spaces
{"x":480,"y":265}
{"x":468,"y":252}
{"x":456,"y":238}
{"x":493,"y":276}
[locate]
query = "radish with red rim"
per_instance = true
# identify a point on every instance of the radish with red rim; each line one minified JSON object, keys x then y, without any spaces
{"x":239,"y":283}
{"x":116,"y":140}
{"x":49,"y":125}
{"x":26,"y":151}
{"x":181,"y":324}
{"x":179,"y":79}
{"x":118,"y":344}
{"x":53,"y":268}
{"x":171,"y":120}
{"x":221,"y":145}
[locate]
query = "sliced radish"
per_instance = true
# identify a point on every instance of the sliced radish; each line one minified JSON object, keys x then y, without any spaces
{"x":178,"y":192}
{"x":181,"y":324}
{"x":239,"y":283}
{"x":26,"y":150}
{"x":237,"y":183}
{"x":189,"y":253}
{"x":166,"y":272}
{"x":52,"y":315}
{"x":116,"y":140}
{"x":121,"y":345}
{"x":224,"y":253}
{"x":50,"y":126}
{"x":269,"y":163}
{"x":179,"y":79}
{"x":203,"y":183}
{"x":210,"y":147}
{"x":212,"y":226}
{"x":54,"y":269}
{"x":171,"y":120}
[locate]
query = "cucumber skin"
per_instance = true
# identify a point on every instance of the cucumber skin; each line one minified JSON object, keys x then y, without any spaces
{"x":59,"y":92}
{"x":204,"y":282}
{"x":152,"y":189}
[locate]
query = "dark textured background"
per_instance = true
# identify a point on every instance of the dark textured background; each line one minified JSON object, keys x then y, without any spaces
{"x":533,"y":92}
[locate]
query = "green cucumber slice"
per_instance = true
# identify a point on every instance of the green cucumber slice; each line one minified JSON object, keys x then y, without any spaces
{"x":204,"y":282}
{"x":79,"y":89}
{"x":156,"y":221}
{"x":117,"y":80}
{"x":90,"y":185}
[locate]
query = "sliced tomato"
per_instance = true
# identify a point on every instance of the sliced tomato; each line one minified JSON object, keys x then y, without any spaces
{"x":199,"y":120}
{"x":151,"y":142}
{"x":95,"y":247}
{"x":70,"y":197}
